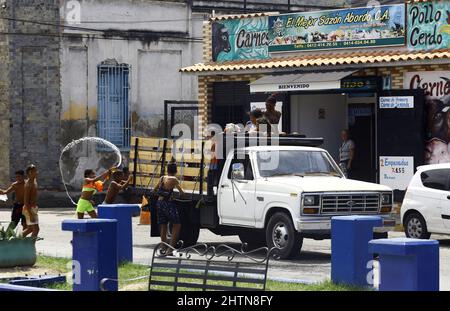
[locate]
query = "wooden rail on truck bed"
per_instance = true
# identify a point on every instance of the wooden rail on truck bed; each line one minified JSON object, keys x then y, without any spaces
{"x":150,"y":157}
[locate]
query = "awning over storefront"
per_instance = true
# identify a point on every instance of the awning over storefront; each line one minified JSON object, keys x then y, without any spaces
{"x":320,"y":60}
{"x":299,"y":82}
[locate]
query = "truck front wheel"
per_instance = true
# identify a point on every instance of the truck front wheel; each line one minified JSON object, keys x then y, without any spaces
{"x":280,"y":233}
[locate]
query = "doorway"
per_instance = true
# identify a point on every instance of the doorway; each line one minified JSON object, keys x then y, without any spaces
{"x":326,"y":115}
{"x":361,"y":125}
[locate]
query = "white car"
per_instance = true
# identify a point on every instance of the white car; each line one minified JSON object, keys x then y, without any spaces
{"x":426,"y":206}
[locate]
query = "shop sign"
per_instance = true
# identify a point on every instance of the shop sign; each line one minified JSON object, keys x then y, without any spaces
{"x":239,"y":39}
{"x":334,"y":29}
{"x":391,"y":102}
{"x":396,"y":172}
{"x":360,"y":83}
{"x":428,"y":25}
{"x":436,"y":87}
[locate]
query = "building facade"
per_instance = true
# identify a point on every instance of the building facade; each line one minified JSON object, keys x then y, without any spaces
{"x":393,"y":99}
{"x":75,"y":68}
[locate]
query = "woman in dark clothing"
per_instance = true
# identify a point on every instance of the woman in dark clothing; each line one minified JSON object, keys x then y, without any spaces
{"x":167,"y":211}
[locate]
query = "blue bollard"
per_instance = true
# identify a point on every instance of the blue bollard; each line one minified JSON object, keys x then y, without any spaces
{"x":350,"y":257}
{"x":407,"y":264}
{"x":94,"y":253}
{"x":123,"y":213}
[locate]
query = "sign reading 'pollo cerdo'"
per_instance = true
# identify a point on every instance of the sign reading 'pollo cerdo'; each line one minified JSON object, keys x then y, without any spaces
{"x":428,"y":25}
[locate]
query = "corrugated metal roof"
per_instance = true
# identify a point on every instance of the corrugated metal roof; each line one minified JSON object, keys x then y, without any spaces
{"x":323,"y":59}
{"x":238,"y":16}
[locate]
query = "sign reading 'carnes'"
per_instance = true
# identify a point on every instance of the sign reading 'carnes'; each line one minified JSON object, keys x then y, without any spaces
{"x":238,"y":39}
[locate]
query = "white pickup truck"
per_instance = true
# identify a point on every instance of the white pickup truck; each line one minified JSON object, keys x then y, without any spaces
{"x":278,"y":195}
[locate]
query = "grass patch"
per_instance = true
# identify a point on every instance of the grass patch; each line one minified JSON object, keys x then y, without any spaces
{"x":130,"y":270}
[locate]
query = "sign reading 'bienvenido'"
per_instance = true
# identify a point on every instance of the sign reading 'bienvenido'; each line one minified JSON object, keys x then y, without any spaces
{"x":347,"y":28}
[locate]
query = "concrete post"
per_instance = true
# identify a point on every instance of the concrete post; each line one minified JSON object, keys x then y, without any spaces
{"x":407,"y":264}
{"x":350,"y":257}
{"x":123,"y":213}
{"x":94,"y":253}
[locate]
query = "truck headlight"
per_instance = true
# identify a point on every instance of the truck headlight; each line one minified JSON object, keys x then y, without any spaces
{"x":386,"y":198}
{"x":311,"y":200}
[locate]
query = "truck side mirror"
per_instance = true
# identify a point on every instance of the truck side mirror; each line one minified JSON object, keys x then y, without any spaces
{"x":237,"y":171}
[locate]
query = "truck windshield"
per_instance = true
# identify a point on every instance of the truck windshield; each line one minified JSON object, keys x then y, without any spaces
{"x":296,"y":162}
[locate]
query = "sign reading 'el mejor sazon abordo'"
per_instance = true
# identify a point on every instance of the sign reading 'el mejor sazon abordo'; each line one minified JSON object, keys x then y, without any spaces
{"x":347,"y":28}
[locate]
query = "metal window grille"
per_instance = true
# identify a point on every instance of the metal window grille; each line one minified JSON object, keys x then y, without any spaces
{"x":113,"y":118}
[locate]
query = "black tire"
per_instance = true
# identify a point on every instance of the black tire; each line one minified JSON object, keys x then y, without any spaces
{"x":280,"y":233}
{"x":253,"y":239}
{"x":416,"y":226}
{"x":380,"y":235}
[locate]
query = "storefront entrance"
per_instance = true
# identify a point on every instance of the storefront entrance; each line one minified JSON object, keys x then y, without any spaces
{"x":326,"y":115}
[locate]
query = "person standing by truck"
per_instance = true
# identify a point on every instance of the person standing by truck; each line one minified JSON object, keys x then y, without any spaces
{"x":166,"y":209}
{"x":346,"y":153}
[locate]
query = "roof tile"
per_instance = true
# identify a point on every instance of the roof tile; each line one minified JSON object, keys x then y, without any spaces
{"x":344,"y":58}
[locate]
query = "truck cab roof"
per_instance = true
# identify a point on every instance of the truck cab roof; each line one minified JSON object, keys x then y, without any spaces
{"x":272,"y":148}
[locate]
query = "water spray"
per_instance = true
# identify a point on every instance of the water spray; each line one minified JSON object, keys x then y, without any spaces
{"x":82,"y":140}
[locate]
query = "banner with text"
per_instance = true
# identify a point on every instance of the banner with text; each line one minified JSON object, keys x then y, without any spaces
{"x":334,"y":29}
{"x":240,"y":39}
{"x":396,"y":172}
{"x":428,"y":25}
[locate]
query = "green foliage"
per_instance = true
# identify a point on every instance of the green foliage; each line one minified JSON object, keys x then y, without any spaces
{"x":9,"y":233}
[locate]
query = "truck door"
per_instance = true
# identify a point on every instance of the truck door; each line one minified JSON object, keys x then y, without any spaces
{"x":400,"y":137}
{"x":236,"y":197}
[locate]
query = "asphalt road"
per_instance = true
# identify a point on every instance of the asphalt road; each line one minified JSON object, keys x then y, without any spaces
{"x":311,"y":265}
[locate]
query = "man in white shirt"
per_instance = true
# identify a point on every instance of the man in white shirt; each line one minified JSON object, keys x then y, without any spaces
{"x":346,"y":153}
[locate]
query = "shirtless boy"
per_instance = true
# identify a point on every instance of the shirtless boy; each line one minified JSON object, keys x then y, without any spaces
{"x":116,"y":185}
{"x":30,"y":209}
{"x":18,"y":187}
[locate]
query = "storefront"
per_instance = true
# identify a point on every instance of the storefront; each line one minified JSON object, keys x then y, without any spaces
{"x":383,"y":73}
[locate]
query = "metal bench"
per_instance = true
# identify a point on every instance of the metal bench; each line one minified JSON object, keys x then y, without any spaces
{"x":203,"y":267}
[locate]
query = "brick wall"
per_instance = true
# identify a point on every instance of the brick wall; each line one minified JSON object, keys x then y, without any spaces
{"x":4,"y":102}
{"x":33,"y":80}
{"x":207,"y":42}
{"x":205,"y":93}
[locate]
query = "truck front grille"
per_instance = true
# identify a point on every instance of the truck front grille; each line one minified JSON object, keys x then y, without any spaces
{"x":354,"y":203}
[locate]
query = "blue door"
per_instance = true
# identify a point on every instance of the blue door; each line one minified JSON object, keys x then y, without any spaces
{"x":113,"y":104}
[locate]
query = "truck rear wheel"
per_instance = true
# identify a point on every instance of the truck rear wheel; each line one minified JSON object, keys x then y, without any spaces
{"x":280,"y":233}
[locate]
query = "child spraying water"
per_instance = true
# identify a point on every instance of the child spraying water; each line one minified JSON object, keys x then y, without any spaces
{"x":91,"y":185}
